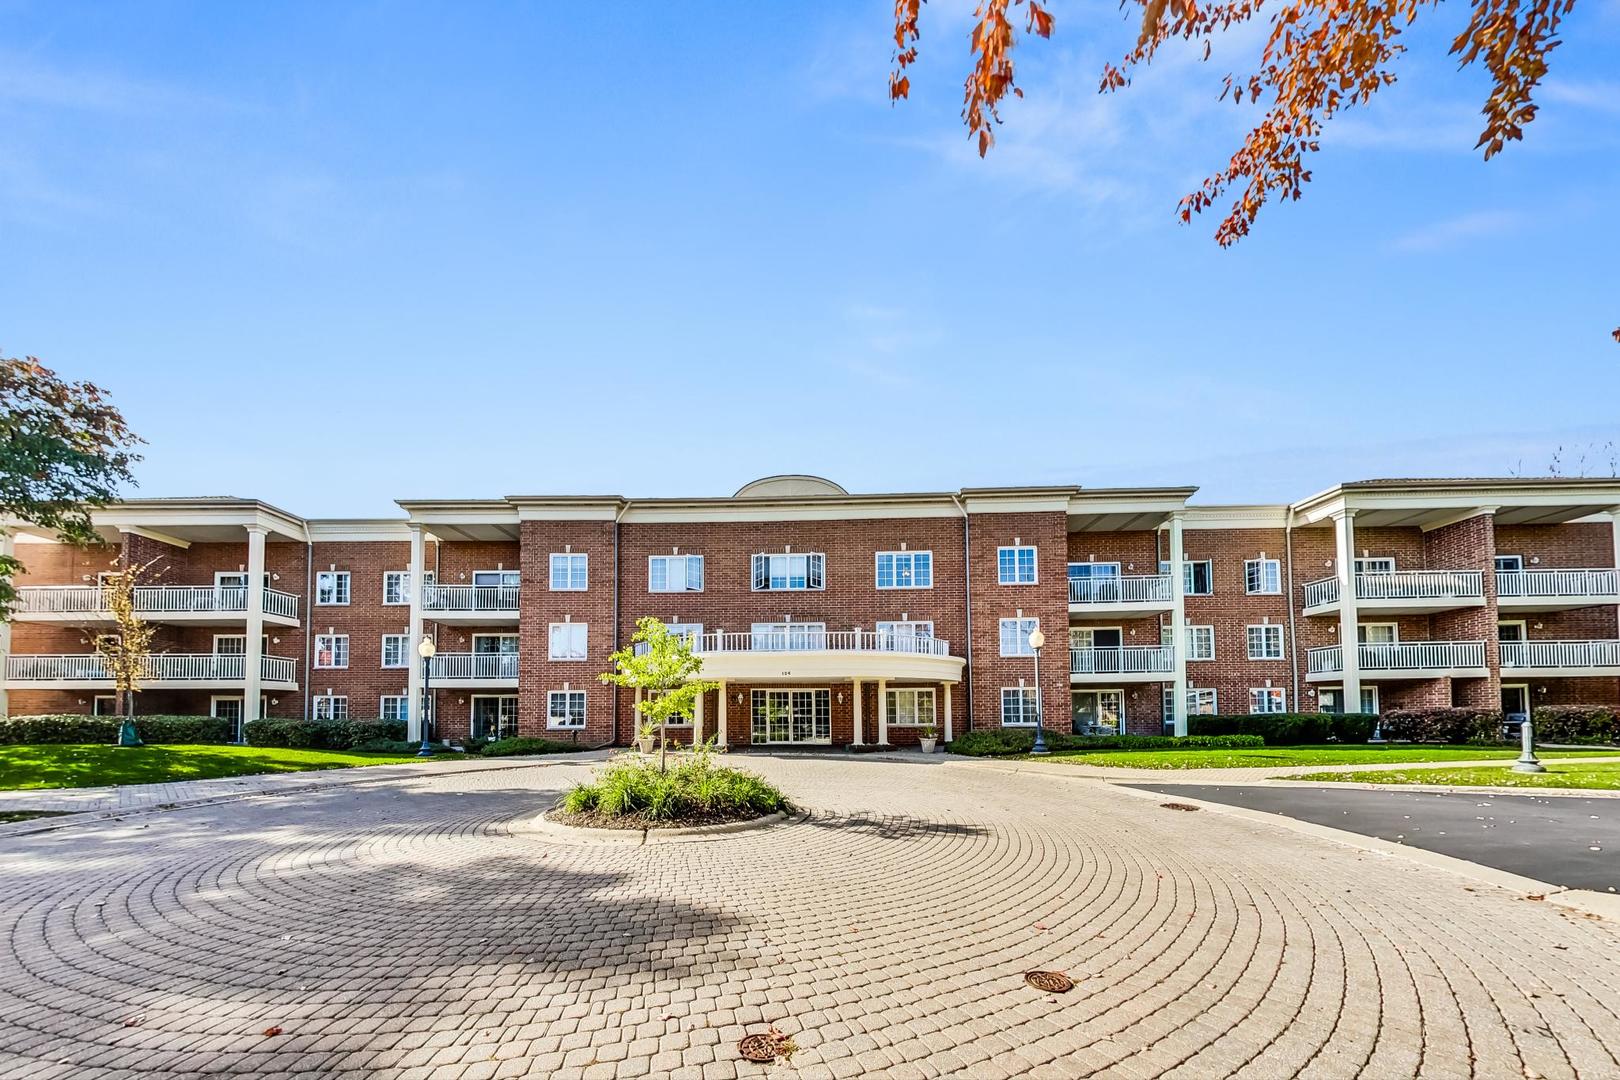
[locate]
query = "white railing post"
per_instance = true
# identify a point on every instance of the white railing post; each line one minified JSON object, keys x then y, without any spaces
{"x":253,"y":664}
{"x":1178,"y":627}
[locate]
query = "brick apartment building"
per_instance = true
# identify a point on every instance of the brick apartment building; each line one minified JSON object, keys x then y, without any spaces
{"x":828,"y":617}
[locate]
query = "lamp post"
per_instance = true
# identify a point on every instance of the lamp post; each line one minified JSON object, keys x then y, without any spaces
{"x":1528,"y":761}
{"x":1037,"y":641}
{"x":426,"y":649}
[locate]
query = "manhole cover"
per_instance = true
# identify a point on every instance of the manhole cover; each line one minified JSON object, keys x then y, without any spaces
{"x":1178,"y":806}
{"x":757,"y":1047}
{"x":1053,"y":982}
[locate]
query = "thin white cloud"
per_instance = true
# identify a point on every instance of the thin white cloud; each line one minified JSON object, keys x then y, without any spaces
{"x":1597,"y":94}
{"x":1456,"y":231}
{"x":26,"y":82}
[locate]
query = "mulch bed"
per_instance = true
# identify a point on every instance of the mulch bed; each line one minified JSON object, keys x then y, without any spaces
{"x":595,"y":820}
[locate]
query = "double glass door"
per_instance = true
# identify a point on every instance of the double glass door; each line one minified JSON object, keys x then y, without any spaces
{"x":494,"y":716}
{"x":792,"y":716}
{"x":1098,"y":712}
{"x":1093,"y":583}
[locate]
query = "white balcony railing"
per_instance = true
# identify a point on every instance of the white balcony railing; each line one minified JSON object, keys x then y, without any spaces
{"x":475,"y":666}
{"x":1127,"y":589}
{"x":470,"y":598}
{"x":1533,"y":655}
{"x":150,"y":600}
{"x":1402,"y":585}
{"x":167,"y":667}
{"x":1123,"y":660}
{"x":809,"y":640}
{"x":1557,"y":583}
{"x":1413,"y":656}
{"x":1318,"y":593}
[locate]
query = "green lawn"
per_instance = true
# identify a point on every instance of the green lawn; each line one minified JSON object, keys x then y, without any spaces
{"x":1241,"y":758}
{"x":1589,"y":774}
{"x":76,"y":765}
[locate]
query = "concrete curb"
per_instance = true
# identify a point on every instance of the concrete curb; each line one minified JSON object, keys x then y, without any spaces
{"x":1357,"y":785}
{"x":540,"y":825}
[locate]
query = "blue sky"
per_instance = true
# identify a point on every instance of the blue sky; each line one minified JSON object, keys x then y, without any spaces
{"x":330,"y":255}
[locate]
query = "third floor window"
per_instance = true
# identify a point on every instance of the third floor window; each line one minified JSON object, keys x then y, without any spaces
{"x":332,"y":587}
{"x":675,"y":573}
{"x":905,"y":569}
{"x":1015,"y":565}
{"x":568,"y":572}
{"x":773,"y":572}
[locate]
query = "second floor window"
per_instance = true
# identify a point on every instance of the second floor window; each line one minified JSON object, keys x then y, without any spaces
{"x":397,"y":587}
{"x":905,"y":569}
{"x":775,"y":572}
{"x":675,"y":573}
{"x":1015,"y":565}
{"x":568,"y":641}
{"x":1266,"y":642}
{"x":568,"y":572}
{"x":396,"y":648}
{"x":332,"y":587}
{"x":1015,"y":636}
{"x":1200,"y":641}
{"x":1262,"y":576}
{"x":1197,"y":579}
{"x":332,"y":650}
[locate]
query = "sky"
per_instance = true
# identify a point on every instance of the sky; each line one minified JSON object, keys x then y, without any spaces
{"x":331,"y":255}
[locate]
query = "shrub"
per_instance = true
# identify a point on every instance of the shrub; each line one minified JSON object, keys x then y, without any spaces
{"x":1447,"y":725}
{"x":998,"y":742}
{"x":1288,"y":729}
{"x":321,"y":734}
{"x":524,"y":745}
{"x":75,"y":728}
{"x":1577,"y":724}
{"x":695,"y":789}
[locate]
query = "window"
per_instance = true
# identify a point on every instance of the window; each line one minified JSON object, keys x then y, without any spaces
{"x":568,"y":572}
{"x":396,"y":587}
{"x":773,"y":572}
{"x":396,"y":650}
{"x":331,"y":707}
{"x":494,"y":716}
{"x":332,"y":587}
{"x":675,"y":573}
{"x":1380,"y":565}
{"x":104,"y":705}
{"x":905,"y":569}
{"x":691,"y":631}
{"x":791,"y":716}
{"x":1200,"y":641}
{"x":1094,"y":583}
{"x":1331,"y":700}
{"x":565,"y":709}
{"x":1506,"y":564}
{"x":1197,"y":578}
{"x":1200,"y":702}
{"x":1015,"y":565}
{"x":394,"y":707}
{"x":1265,"y":699}
{"x":1378,"y":633}
{"x":911,"y":708}
{"x":1262,"y":576}
{"x":1266,"y":642}
{"x":1017,"y":706}
{"x":1015,"y":636}
{"x":568,"y":640}
{"x":332,"y":650}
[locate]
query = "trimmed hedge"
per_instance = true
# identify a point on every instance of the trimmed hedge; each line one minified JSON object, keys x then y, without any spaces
{"x":525,"y":745}
{"x":1596,"y":724}
{"x":997,"y":742}
{"x":1288,"y":729}
{"x":76,"y":728}
{"x":321,"y":734}
{"x":1443,"y":725}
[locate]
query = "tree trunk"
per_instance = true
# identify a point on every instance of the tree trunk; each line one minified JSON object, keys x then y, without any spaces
{"x":663,"y":743}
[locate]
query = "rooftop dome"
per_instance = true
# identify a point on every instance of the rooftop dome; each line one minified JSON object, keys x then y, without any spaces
{"x":788,"y":487}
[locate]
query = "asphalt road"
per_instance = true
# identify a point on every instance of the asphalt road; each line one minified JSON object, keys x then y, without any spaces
{"x":1565,"y":840}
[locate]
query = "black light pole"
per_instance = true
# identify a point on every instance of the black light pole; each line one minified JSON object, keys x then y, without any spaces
{"x":1037,"y":641}
{"x":427,"y":650}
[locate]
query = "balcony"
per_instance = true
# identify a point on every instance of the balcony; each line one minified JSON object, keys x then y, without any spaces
{"x":471,"y":603}
{"x":1122,"y":664}
{"x":195,"y":604}
{"x":1555,"y":590}
{"x":1130,"y":594}
{"x":450,"y":670}
{"x":1403,"y":660}
{"x":820,"y":655}
{"x":1560,"y":658}
{"x":1401,"y":592}
{"x":166,"y":671}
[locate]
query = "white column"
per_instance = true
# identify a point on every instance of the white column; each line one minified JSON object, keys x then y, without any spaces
{"x":883,"y":712}
{"x":1344,"y":567}
{"x":720,"y":718}
{"x":859,"y":734}
{"x":252,"y":682}
{"x":1614,"y":518}
{"x":7,"y":547}
{"x":1178,"y":626}
{"x":949,"y":731}
{"x":413,"y":667}
{"x":697,"y":721}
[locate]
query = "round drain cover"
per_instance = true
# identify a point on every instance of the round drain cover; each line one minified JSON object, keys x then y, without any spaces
{"x":757,"y":1047}
{"x":1053,"y":982}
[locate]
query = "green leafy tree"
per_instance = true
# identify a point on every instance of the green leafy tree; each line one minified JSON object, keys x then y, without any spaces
{"x":665,"y":668}
{"x":125,"y":650}
{"x":64,"y":450}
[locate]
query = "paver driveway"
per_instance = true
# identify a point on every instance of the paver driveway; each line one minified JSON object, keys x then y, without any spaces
{"x":410,"y":927}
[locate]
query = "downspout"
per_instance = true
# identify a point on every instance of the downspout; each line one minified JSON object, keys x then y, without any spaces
{"x":1293,"y":641}
{"x":309,"y":617}
{"x":616,"y":518}
{"x":967,"y":594}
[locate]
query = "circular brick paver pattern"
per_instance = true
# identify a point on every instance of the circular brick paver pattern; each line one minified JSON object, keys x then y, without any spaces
{"x":414,"y":928}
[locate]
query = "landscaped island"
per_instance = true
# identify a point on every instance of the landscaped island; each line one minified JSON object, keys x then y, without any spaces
{"x":635,"y":793}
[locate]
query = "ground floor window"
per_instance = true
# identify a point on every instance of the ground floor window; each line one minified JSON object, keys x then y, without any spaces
{"x":494,"y":716}
{"x":1266,"y":699}
{"x":331,"y":707}
{"x":1098,"y":712}
{"x":1017,"y":706}
{"x":911,"y":708}
{"x":1200,"y":702}
{"x":394,"y":707}
{"x":104,"y":705}
{"x":792,"y":716}
{"x":565,"y":709}
{"x":1330,"y":699}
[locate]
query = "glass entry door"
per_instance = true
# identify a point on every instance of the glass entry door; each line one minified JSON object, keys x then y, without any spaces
{"x":494,"y":717}
{"x":792,"y":716}
{"x":1098,"y":712}
{"x":1093,"y":583}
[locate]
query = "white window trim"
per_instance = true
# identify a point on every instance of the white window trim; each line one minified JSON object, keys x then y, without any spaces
{"x":348,"y":589}
{"x":95,"y":704}
{"x":1267,"y":692}
{"x":472,"y":710}
{"x":1188,"y":576}
{"x":382,"y":713}
{"x":1036,"y":580}
{"x":404,"y":654}
{"x":1262,"y":563}
{"x":551,"y":571}
{"x":911,"y":555}
{"x":1164,"y":632}
{"x":346,"y":654}
{"x":916,"y":692}
{"x":585,"y":633}
{"x":1022,"y":691}
{"x":1001,"y":627}
{"x":551,"y":715}
{"x":330,"y":699}
{"x":686,"y":574}
{"x":1394,"y":633}
{"x":405,"y":588}
{"x":1282,"y":640}
{"x":753,"y":579}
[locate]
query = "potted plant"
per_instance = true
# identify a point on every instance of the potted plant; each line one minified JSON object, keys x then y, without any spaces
{"x":928,"y":736}
{"x":647,"y":737}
